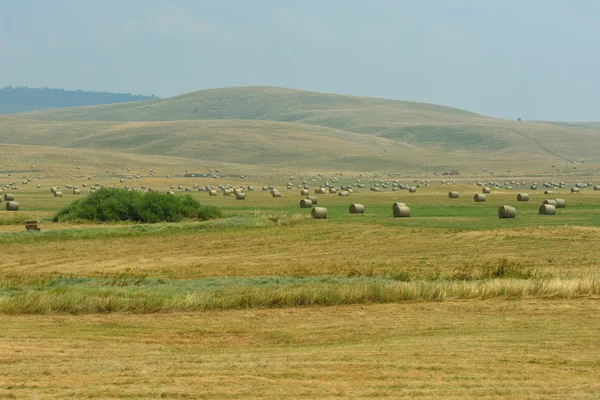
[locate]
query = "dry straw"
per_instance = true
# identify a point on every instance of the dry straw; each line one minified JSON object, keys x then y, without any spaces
{"x":319,"y":213}
{"x":401,"y":211}
{"x":560,"y":203}
{"x":12,"y":206}
{"x":547,"y":209}
{"x":357,"y":209}
{"x":507,"y":212}
{"x":306,"y":203}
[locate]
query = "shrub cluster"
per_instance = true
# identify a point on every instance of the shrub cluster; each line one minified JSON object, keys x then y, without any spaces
{"x":109,"y":205}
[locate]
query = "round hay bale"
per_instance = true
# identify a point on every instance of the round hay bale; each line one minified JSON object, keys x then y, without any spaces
{"x":319,"y":213}
{"x":313,"y":199}
{"x":486,"y":190}
{"x":507,"y":212}
{"x":240,"y":196}
{"x":276,"y":194}
{"x":171,"y":193}
{"x":522,"y":197}
{"x":344,"y":193}
{"x":596,"y":187}
{"x":76,"y":191}
{"x":304,"y":192}
{"x":453,"y":195}
{"x":479,"y":198}
{"x":547,"y":209}
{"x":412,"y":189}
{"x":398,"y":204}
{"x":57,"y":194}
{"x":575,"y":190}
{"x":306,"y":203}
{"x":12,"y":206}
{"x":9,"y":197}
{"x":550,"y":202}
{"x":226,"y":192}
{"x":560,"y":203}
{"x":356,"y":209}
{"x":548,"y":192}
{"x":212,"y":192}
{"x":401,"y":211}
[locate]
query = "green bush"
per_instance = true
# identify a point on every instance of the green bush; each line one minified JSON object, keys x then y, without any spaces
{"x":108,"y":205}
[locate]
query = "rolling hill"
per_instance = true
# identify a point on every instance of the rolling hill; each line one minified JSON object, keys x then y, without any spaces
{"x":291,"y":129}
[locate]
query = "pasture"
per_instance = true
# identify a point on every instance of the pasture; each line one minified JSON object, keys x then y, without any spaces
{"x":451,"y":302}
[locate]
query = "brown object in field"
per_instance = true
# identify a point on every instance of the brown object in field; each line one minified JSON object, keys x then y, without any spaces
{"x":12,"y":206}
{"x":240,"y":196}
{"x":9,"y":197}
{"x":486,"y":190}
{"x":560,"y":203}
{"x":171,"y":193}
{"x":479,"y":198}
{"x":547,"y":209}
{"x":314,"y":199}
{"x":551,"y":202}
{"x":397,"y":204}
{"x":522,"y":197}
{"x":76,"y":191}
{"x":344,"y":193}
{"x":304,"y":192}
{"x":507,"y":212}
{"x":212,"y":192}
{"x":575,"y":190}
{"x":412,"y":189}
{"x":306,"y":203}
{"x":356,"y":209}
{"x":453,"y":195}
{"x":276,"y":194}
{"x":401,"y":212}
{"x":319,"y":213}
{"x":32,"y":225}
{"x":57,"y":194}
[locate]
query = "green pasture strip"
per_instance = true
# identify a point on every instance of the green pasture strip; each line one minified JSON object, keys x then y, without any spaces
{"x":123,"y":293}
{"x":128,"y":231}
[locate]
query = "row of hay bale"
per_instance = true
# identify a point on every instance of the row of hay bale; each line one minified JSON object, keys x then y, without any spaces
{"x":11,"y":204}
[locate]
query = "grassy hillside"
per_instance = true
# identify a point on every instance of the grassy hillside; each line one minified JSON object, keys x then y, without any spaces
{"x":259,"y":103}
{"x":278,"y":127}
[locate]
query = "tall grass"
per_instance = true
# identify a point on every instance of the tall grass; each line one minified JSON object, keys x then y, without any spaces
{"x":139,"y":294}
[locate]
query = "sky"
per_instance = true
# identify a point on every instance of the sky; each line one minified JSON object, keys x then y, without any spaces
{"x":533,"y":59}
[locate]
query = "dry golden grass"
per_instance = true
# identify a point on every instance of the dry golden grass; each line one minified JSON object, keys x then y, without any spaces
{"x":442,"y":236}
{"x":455,"y":350}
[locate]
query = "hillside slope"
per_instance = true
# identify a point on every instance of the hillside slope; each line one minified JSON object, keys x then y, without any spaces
{"x":298,"y":129}
{"x":256,"y":103}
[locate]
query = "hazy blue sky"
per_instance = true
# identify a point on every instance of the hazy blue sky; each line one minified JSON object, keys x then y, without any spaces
{"x":535,"y":59}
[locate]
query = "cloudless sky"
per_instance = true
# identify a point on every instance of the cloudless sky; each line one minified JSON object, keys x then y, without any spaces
{"x":535,"y":59}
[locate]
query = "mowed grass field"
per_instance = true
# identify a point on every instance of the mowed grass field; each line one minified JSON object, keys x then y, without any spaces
{"x":452,"y":302}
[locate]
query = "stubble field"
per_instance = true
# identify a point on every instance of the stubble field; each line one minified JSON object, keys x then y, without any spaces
{"x":452,"y":302}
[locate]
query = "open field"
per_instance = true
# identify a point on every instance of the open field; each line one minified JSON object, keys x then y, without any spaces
{"x":451,"y":302}
{"x":490,"y":349}
{"x":267,"y":302}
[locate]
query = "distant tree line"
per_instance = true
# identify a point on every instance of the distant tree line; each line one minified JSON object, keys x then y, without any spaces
{"x":51,"y":98}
